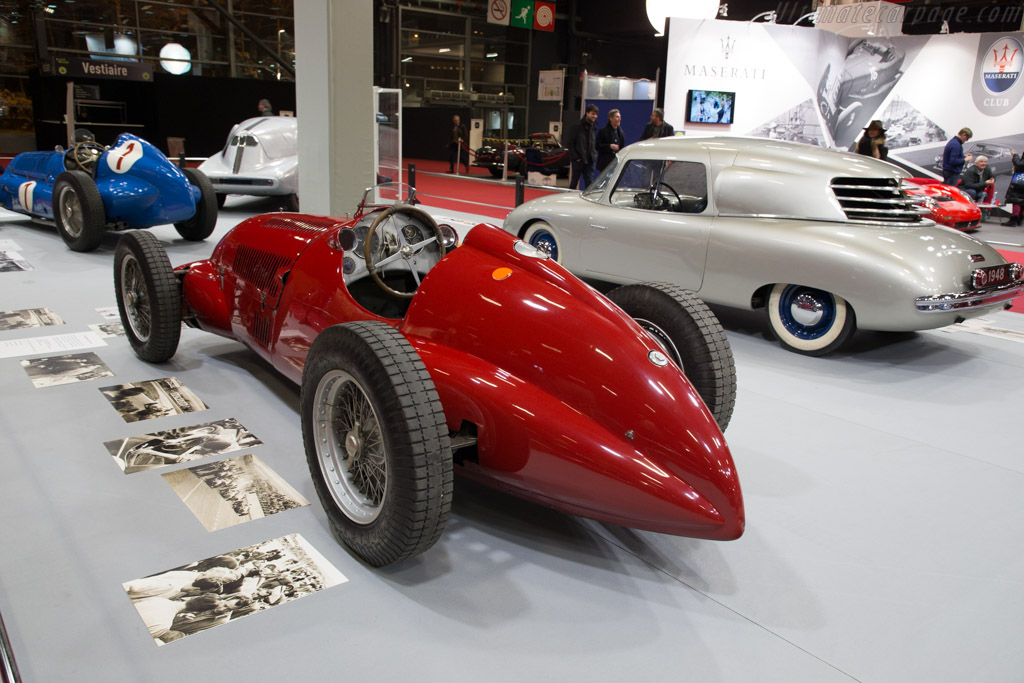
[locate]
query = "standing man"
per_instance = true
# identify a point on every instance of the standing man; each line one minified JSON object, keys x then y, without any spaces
{"x":953,"y":157}
{"x":582,"y":150}
{"x":609,"y":140}
{"x":657,"y":128}
{"x":265,"y":108}
{"x":455,"y":153}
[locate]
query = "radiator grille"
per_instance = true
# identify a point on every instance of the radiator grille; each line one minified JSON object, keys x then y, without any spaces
{"x":874,"y":200}
{"x":259,"y":268}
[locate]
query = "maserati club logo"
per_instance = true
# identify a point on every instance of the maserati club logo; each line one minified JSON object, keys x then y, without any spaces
{"x":728,"y":44}
{"x":1001,"y":68}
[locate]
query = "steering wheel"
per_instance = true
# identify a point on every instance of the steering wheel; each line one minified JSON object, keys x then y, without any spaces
{"x":679,"y":200}
{"x":85,"y":154}
{"x":395,"y":242}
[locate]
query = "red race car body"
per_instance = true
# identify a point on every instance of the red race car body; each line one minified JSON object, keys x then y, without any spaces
{"x":944,"y":204}
{"x":549,"y":390}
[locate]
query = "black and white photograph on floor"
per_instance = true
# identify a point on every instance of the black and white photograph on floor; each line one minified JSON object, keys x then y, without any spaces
{"x":152,"y":398}
{"x":28,"y":317}
{"x":183,"y":444}
{"x":11,"y":261}
{"x":67,"y":369}
{"x":109,"y":313}
{"x":198,"y":596}
{"x":229,"y":492}
{"x":107,"y":330}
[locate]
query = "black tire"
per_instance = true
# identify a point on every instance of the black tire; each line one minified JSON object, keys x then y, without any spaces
{"x":496,"y":172}
{"x":220,"y":200}
{"x":202,"y":223}
{"x":692,"y":337}
{"x":290,"y":203}
{"x":148,"y":296}
{"x":369,"y":369}
{"x":809,"y":321}
{"x":78,"y":211}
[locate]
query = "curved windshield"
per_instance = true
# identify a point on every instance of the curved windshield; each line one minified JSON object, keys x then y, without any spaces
{"x":596,"y":188}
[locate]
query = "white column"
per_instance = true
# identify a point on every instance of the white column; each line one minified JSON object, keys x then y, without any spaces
{"x":334,"y":94}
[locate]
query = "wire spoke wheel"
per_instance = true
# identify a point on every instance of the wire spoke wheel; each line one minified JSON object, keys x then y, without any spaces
{"x":350,"y":447}
{"x":376,"y":441}
{"x":148,"y":296}
{"x":136,"y":298}
{"x":71,"y":210}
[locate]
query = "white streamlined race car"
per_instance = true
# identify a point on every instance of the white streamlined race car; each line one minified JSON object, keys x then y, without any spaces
{"x":260,"y":158}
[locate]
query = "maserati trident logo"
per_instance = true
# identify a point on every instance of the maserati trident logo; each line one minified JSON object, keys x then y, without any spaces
{"x":728,"y":44}
{"x":1001,"y":70}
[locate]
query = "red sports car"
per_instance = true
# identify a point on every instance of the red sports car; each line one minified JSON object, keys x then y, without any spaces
{"x":944,"y":204}
{"x":417,"y":360}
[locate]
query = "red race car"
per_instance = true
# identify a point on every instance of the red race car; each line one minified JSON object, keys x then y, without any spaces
{"x":944,"y":204}
{"x":417,"y":360}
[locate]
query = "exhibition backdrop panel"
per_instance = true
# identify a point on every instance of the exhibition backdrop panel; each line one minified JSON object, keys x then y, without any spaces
{"x":814,"y":86}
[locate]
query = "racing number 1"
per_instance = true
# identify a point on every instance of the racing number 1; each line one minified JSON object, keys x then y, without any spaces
{"x":122,"y":158}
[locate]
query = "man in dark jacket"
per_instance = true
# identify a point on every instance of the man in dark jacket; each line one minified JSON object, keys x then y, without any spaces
{"x":977,"y":179}
{"x":456,"y":155}
{"x":609,"y":140}
{"x":953,"y":157}
{"x":581,"y":149}
{"x":657,"y":128}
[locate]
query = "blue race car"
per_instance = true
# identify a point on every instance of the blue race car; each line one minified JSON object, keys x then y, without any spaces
{"x":89,"y":189}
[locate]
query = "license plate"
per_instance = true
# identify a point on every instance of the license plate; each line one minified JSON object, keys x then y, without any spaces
{"x":992,"y":276}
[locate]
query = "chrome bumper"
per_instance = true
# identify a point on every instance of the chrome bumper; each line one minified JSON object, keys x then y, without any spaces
{"x":941,"y":303}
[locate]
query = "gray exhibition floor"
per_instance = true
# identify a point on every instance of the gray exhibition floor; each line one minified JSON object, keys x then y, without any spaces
{"x":884,"y":491}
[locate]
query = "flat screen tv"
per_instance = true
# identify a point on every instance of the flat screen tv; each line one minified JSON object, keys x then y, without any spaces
{"x":710,"y":106}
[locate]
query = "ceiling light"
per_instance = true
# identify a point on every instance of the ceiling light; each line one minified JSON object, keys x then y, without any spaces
{"x":658,"y":11}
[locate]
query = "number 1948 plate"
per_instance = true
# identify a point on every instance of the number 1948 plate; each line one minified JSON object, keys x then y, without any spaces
{"x":992,"y":276}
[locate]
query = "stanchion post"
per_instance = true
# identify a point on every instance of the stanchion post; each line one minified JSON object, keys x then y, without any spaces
{"x":181,"y":159}
{"x":520,"y":190}
{"x":412,"y":175}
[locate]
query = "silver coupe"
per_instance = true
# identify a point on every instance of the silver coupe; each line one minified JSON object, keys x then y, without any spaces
{"x":826,"y":241}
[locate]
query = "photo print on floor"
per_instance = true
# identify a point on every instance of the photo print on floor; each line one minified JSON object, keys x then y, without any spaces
{"x":229,"y":492}
{"x":67,"y":369}
{"x":183,"y":444}
{"x":11,"y":261}
{"x":109,"y":313}
{"x":107,"y":330}
{"x":29,"y":317}
{"x":152,"y":398}
{"x":198,"y":596}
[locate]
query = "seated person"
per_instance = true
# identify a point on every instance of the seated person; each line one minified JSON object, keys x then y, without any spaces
{"x":976,"y":180}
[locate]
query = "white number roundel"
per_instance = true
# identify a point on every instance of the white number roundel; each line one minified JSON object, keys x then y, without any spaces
{"x":123,"y":157}
{"x":25,"y":192}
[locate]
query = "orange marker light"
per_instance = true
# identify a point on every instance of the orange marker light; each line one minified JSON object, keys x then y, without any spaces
{"x":501,"y":273}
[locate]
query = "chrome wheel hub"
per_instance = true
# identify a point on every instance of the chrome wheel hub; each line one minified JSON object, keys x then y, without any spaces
{"x":807,"y":310}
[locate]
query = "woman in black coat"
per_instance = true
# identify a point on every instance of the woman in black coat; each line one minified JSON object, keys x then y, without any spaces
{"x":1015,"y":193}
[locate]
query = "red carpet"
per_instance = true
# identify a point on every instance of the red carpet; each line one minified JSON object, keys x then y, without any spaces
{"x":477,"y":193}
{"x":1011,"y":256}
